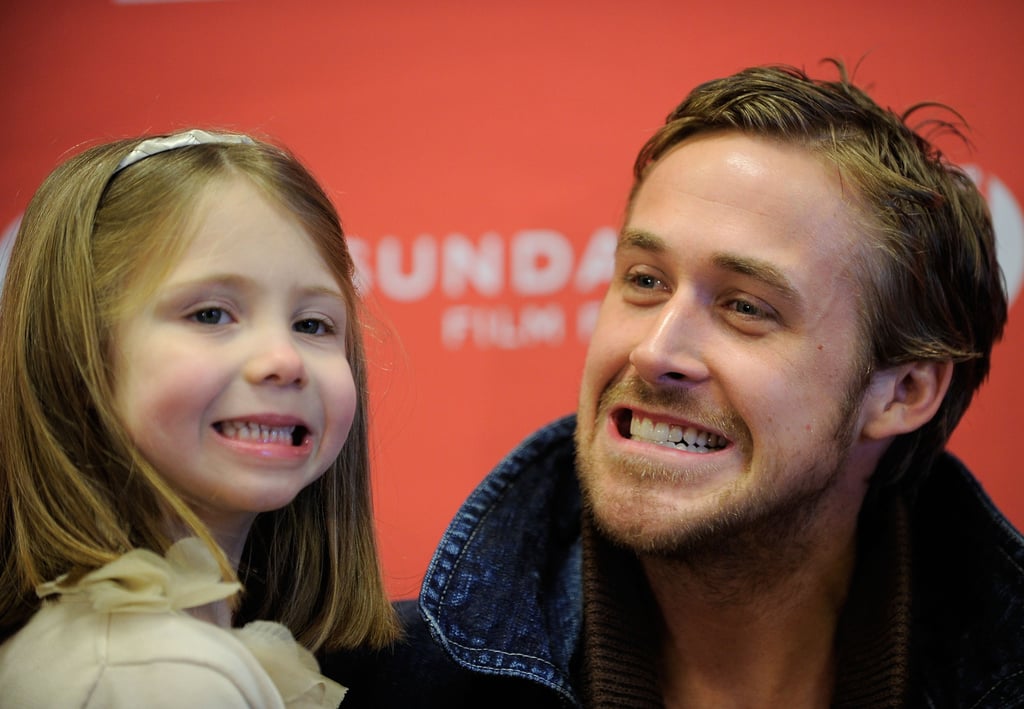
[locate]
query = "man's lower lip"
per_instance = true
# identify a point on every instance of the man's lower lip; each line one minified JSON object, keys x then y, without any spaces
{"x":656,"y":445}
{"x":678,"y":446}
{"x":615,"y":435}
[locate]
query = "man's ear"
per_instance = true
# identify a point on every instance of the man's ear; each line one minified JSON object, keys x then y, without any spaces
{"x":903,"y":398}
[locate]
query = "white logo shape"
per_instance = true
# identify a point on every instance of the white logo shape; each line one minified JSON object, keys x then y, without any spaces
{"x":6,"y":243}
{"x":1008,"y":225}
{"x":1007,"y":221}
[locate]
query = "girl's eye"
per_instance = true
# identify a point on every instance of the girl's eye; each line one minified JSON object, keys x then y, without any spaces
{"x":313,"y":326}
{"x":210,"y":316}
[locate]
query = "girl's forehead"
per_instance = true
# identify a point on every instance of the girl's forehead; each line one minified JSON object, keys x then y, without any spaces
{"x":234,"y":222}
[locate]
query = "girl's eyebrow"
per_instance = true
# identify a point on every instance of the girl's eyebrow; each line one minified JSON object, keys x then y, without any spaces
{"x":758,"y":269}
{"x":235,"y":281}
{"x":325,"y":291}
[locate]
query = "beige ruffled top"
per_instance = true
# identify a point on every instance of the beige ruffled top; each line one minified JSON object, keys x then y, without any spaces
{"x":144,"y":582}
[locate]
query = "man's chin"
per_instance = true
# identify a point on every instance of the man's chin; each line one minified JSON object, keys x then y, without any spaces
{"x":643,"y":523}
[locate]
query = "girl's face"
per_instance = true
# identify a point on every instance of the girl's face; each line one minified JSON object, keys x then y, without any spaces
{"x":232,"y":377}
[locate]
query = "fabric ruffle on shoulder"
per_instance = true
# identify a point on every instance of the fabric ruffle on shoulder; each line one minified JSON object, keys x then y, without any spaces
{"x":142,"y":581}
{"x":291,"y":667}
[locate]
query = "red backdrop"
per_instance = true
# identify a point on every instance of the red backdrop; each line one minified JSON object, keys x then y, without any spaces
{"x":479,"y":154}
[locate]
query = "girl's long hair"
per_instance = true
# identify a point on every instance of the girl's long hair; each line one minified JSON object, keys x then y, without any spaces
{"x":76,"y":493}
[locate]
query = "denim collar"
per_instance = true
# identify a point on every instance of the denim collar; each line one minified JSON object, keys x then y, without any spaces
{"x":520,"y":617}
{"x":503,"y":593}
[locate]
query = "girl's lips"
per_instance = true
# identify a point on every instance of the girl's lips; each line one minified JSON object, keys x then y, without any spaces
{"x":251,"y":431}
{"x":267,"y":437}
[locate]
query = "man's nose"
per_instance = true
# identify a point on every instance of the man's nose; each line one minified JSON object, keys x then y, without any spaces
{"x":671,"y":350}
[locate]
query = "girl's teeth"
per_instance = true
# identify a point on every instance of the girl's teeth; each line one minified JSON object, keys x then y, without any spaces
{"x":243,"y":431}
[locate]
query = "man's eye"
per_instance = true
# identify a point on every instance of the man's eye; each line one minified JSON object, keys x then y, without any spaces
{"x":210,"y":316}
{"x":313,"y":326}
{"x":644,"y":281}
{"x":745,"y":308}
{"x":749,"y":310}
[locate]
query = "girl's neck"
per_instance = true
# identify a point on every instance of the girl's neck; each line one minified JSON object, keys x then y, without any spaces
{"x":230,"y":538}
{"x":218,"y":613}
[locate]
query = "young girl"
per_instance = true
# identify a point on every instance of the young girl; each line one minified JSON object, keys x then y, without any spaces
{"x":184,"y":407}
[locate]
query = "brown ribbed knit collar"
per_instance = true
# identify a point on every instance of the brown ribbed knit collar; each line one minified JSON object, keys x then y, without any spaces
{"x":621,"y":634}
{"x":873,"y":638}
{"x":620,"y":627}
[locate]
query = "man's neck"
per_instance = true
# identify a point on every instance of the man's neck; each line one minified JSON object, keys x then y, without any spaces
{"x":751,"y":636}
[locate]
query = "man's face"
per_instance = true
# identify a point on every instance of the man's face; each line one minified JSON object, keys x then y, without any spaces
{"x":723,"y":385}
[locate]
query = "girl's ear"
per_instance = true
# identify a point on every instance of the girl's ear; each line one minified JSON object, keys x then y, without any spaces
{"x":903,"y":398}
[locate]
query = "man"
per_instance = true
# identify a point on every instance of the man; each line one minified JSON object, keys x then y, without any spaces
{"x":752,"y":507}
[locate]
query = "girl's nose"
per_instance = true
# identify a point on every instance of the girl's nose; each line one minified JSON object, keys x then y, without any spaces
{"x":276,"y":361}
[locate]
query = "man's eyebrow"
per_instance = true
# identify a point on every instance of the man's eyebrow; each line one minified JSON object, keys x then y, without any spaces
{"x":758,"y":269}
{"x":640,"y":239}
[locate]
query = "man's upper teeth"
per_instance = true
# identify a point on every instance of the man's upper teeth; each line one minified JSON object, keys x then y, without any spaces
{"x":247,"y":431}
{"x":689,"y":438}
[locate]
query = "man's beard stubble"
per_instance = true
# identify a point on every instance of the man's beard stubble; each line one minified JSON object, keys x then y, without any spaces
{"x":765,"y":533}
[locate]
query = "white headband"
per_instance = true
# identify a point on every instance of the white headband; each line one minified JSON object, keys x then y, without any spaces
{"x":152,"y":146}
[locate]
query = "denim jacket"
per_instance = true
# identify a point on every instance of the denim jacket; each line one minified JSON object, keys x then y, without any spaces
{"x":500,"y":612}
